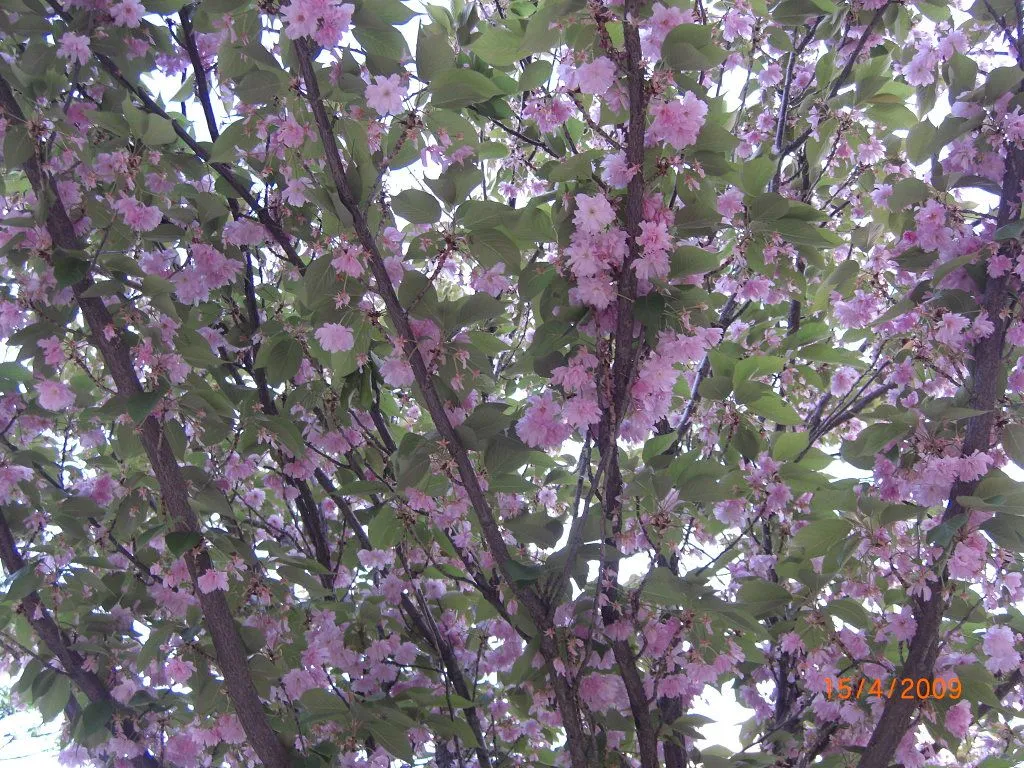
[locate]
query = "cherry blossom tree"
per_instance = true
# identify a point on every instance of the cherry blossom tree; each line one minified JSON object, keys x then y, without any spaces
{"x":390,"y":383}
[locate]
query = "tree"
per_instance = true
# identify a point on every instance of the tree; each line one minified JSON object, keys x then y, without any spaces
{"x":476,"y":386}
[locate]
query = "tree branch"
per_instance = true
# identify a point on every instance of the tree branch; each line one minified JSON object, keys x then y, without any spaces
{"x":231,"y":654}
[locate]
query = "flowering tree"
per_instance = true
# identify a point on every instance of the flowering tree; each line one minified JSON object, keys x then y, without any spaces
{"x":479,"y":386}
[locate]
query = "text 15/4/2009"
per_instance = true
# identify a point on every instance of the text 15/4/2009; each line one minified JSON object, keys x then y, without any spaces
{"x":846,"y":688}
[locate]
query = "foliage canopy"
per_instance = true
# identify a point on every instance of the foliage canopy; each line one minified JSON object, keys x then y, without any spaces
{"x":391,"y":383}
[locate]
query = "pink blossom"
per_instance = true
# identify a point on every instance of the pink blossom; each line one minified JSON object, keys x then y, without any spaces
{"x":542,"y":425}
{"x":999,"y":264}
{"x":593,"y":213}
{"x":958,"y":719}
{"x":229,"y":729}
{"x":10,"y":476}
{"x":932,"y":234}
{"x":615,"y":170}
{"x":921,"y":69}
{"x":74,"y":48}
{"x":297,"y":681}
{"x":731,"y":512}
{"x":581,"y":411}
{"x":300,"y":18}
{"x":334,"y":337}
{"x":348,"y":261}
{"x":595,"y":291}
{"x":397,"y":372}
{"x":102,"y":489}
{"x":663,"y":20}
{"x":842,"y":381}
{"x":597,"y":76}
{"x":244,"y":232}
{"x":998,"y":646}
{"x":212,"y":580}
{"x":791,"y":643}
{"x":770,"y":75}
{"x":54,"y":395}
{"x":375,"y":558}
{"x":208,"y":270}
{"x":492,"y":282}
{"x":951,"y":329}
{"x":737,"y":24}
{"x":678,"y":122}
{"x":1013,"y":126}
{"x":603,"y":692}
{"x":141,"y":218}
{"x":291,"y":133}
{"x":179,"y":671}
{"x":385,"y":94}
{"x":730,"y":202}
{"x":335,"y":22}
{"x":128,"y":13}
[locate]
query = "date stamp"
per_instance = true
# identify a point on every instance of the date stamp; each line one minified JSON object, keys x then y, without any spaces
{"x":917,"y":688}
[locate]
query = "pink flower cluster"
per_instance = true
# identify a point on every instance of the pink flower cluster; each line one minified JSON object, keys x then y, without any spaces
{"x":140,"y":217}
{"x":323,"y":20}
{"x":677,"y":122}
{"x":208,"y":270}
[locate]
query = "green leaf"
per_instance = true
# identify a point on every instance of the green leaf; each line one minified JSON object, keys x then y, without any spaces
{"x":53,"y":701}
{"x":755,"y":174}
{"x":141,"y":405}
{"x":535,"y":74}
{"x":963,"y":72}
{"x":690,"y":47}
{"x":978,"y":684}
{"x":283,"y":359}
{"x":393,"y":737}
{"x":68,"y":268}
{"x":1000,"y":80}
{"x":757,"y":366}
{"x":577,"y":167}
{"x":909,"y":191}
{"x":763,"y":598}
{"x":788,"y":445}
{"x":1011,"y":231}
{"x":1013,"y":443}
{"x":321,"y":706}
{"x":498,"y":46}
{"x":657,"y":445}
{"x":434,"y":53}
{"x":383,"y":43}
{"x":492,"y":246}
{"x":180,"y":542}
{"x":20,"y":585}
{"x":819,"y":536}
{"x":690,"y":260}
{"x":460,"y":88}
{"x":17,"y":146}
{"x":94,"y":718}
{"x":258,"y":87}
{"x":773,"y":407}
{"x":416,"y":206}
{"x":850,"y":611}
{"x":159,"y":132}
{"x":225,"y":148}
{"x":841,"y":276}
{"x":919,"y":141}
{"x":663,"y":587}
